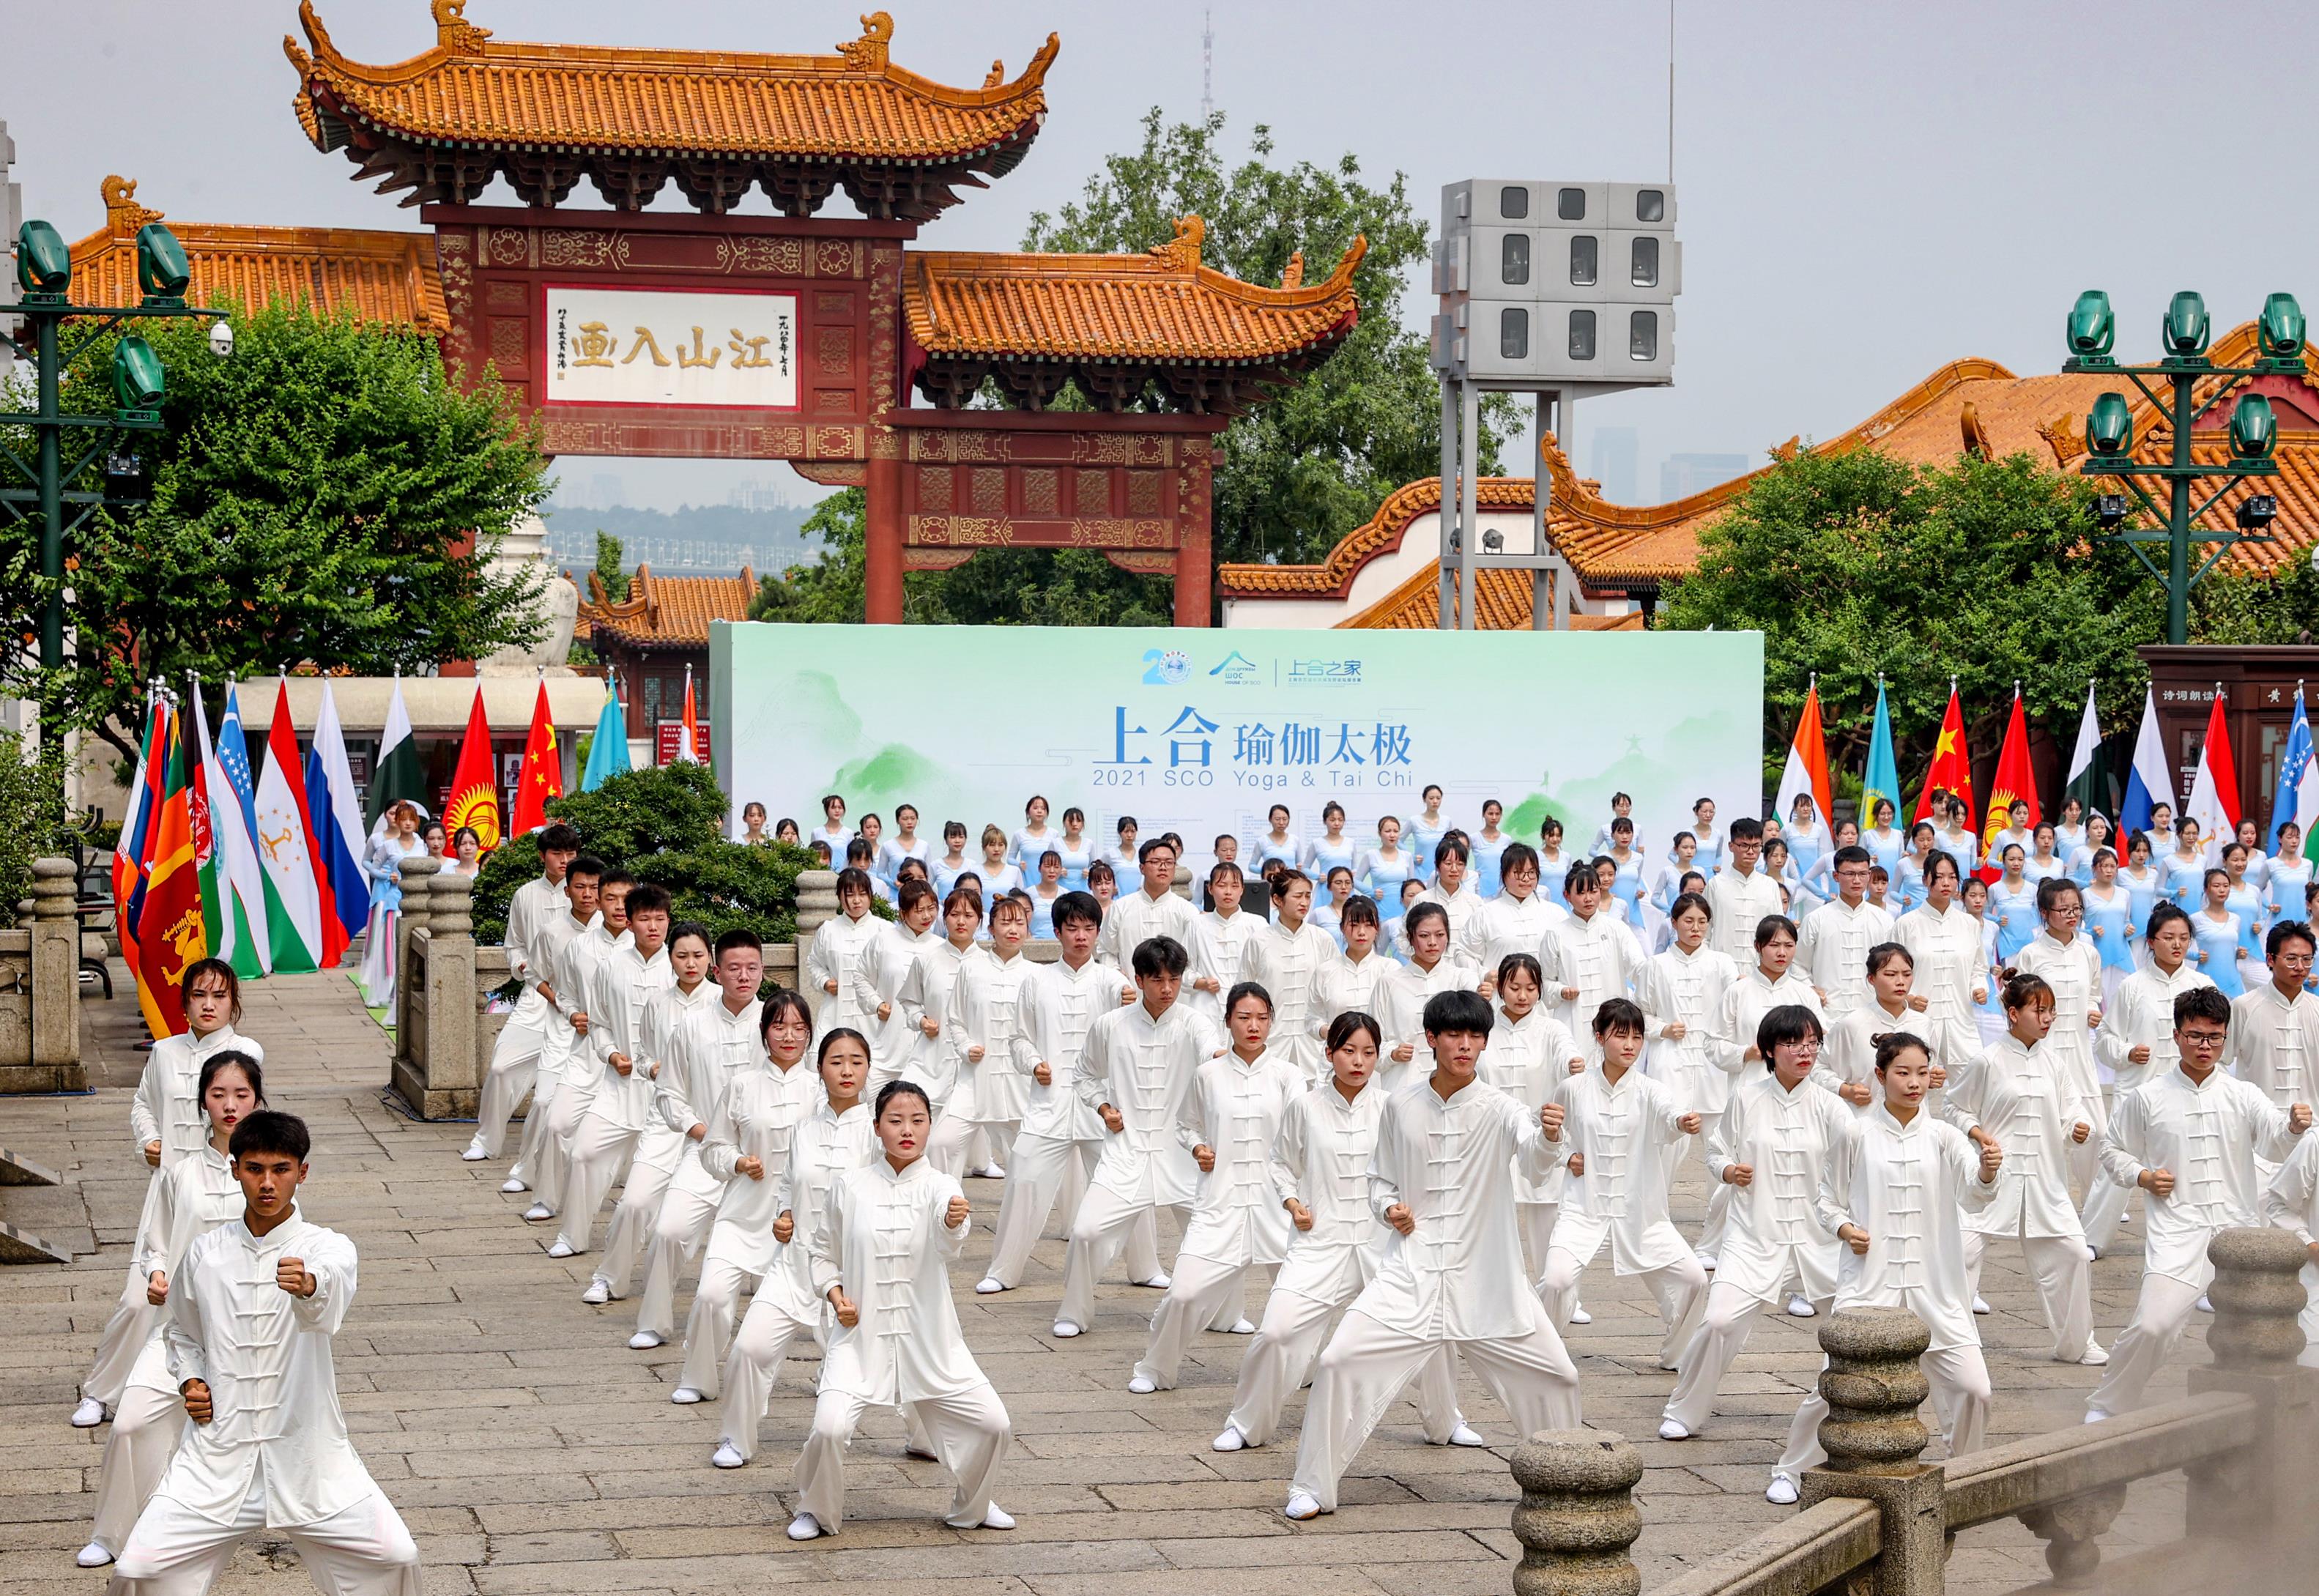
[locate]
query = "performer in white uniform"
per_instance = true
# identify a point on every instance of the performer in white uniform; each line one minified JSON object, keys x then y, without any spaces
{"x":584,"y":956}
{"x":538,"y":904}
{"x":881,"y":1259}
{"x":1219,"y":944}
{"x":1621,"y":1126}
{"x":1152,"y":910}
{"x":1351,"y":982}
{"x":1683,"y":990}
{"x":1516,"y":920}
{"x":1772,"y":1152}
{"x":2275,"y":1026}
{"x":166,"y":1125}
{"x":1896,"y":1181}
{"x":834,"y":965}
{"x":1451,"y":886}
{"x":1401,"y":996}
{"x":1529,"y":1056}
{"x":1772,"y":981}
{"x":2136,"y":1040}
{"x":1588,"y":957}
{"x":2070,"y":964}
{"x":885,"y":968}
{"x":747,"y":1148}
{"x":924,"y":1004}
{"x":660,"y":1146}
{"x":252,"y":1314}
{"x":620,"y":1107}
{"x":1285,"y":958}
{"x":1833,"y":947}
{"x":1952,"y":977}
{"x":2188,"y":1138}
{"x":197,"y":1196}
{"x":1847,"y":1064}
{"x":825,"y":1145}
{"x":582,"y":897}
{"x":1442,"y":1177}
{"x":1136,"y":1070}
{"x":987,"y":1094}
{"x":1742,"y":893}
{"x":2019,"y":1096}
{"x":1229,"y":1119}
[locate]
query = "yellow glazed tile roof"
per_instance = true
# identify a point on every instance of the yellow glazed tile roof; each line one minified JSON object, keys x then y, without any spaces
{"x":666,"y":611}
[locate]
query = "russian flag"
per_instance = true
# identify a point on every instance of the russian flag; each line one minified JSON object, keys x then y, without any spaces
{"x":337,"y":832}
{"x":2147,"y":784}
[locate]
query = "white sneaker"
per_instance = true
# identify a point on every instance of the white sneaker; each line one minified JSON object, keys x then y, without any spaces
{"x":1142,"y":1385}
{"x":987,"y":1286}
{"x":1799,"y":1306}
{"x":2094,"y":1358}
{"x":93,"y":1556}
{"x":1465,"y":1435}
{"x":1242,"y":1327}
{"x":645,"y":1341}
{"x":1302,"y":1505}
{"x":1157,"y":1283}
{"x":1980,"y":1306}
{"x":1674,"y":1429}
{"x":1781,"y":1492}
{"x":995,"y":1516}
{"x":562,"y":1248}
{"x":727,"y":1456}
{"x":89,"y":1414}
{"x":1578,"y":1315}
{"x":512,"y":1186}
{"x":1230,"y":1440}
{"x":475,"y":1154}
{"x":1707,"y":1263}
{"x":538,"y":1212}
{"x":684,"y":1396}
{"x":992,"y":1172}
{"x":2092,"y":1252}
{"x":2205,"y":1305}
{"x":1065,"y":1329}
{"x":597,"y":1294}
{"x":805,"y":1526}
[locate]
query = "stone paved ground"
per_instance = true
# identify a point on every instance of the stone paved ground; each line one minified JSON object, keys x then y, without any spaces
{"x":531,"y":1452}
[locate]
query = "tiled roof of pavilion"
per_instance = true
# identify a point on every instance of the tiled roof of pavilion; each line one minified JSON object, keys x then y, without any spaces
{"x":665,"y":612}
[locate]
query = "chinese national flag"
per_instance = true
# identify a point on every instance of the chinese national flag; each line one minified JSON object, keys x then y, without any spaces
{"x":542,"y":769}
{"x":1952,"y":768}
{"x":2014,"y":783}
{"x":474,"y":796}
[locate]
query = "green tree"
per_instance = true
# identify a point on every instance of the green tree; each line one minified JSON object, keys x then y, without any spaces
{"x":32,"y":800}
{"x":608,"y":555}
{"x":1986,"y":571}
{"x":324,"y":496}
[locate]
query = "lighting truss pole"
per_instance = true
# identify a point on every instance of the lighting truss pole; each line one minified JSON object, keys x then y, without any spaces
{"x":2109,"y":435}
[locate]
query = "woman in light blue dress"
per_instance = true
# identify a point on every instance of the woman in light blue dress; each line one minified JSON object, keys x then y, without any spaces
{"x":1075,"y":850}
{"x":2081,"y":858}
{"x":2245,"y":900}
{"x":1044,"y":895}
{"x":1960,"y":841}
{"x":1909,"y":878}
{"x":2257,"y":865}
{"x":1034,"y":838}
{"x":2044,"y":862}
{"x":1807,"y":835}
{"x":1278,"y":843}
{"x":905,"y":843}
{"x":2070,"y":833}
{"x":1819,"y":878}
{"x":2144,"y":884}
{"x":1781,"y":868}
{"x":1332,"y":849}
{"x":1627,"y":861}
{"x":2289,"y":874}
{"x":1382,"y":868}
{"x":1683,"y":856}
{"x":2217,"y":936}
{"x":2013,"y":905}
{"x":1425,"y":829}
{"x":1712,"y":849}
{"x":1487,"y":845}
{"x":1553,"y":863}
{"x":1884,"y":841}
{"x":1329,"y":915}
{"x":2109,"y":921}
{"x":2185,"y":869}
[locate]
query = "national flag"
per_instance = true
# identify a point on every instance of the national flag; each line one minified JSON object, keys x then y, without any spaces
{"x":475,"y":791}
{"x":2298,"y":783}
{"x":338,"y":835}
{"x":233,"y":894}
{"x":2088,"y":783}
{"x":688,"y":739}
{"x":2214,"y":801}
{"x":1881,"y":782}
{"x":128,"y":854}
{"x":1806,"y":768}
{"x":2014,"y":783}
{"x":542,"y":775}
{"x":396,"y":778}
{"x":170,"y":919}
{"x":608,"y":753}
{"x":293,"y":899}
{"x":1952,"y":768}
{"x":2149,"y":782}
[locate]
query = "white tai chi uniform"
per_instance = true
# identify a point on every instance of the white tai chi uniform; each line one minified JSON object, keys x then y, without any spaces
{"x":1849,"y":1057}
{"x":1688,"y":988}
{"x":1346,"y":984}
{"x":1626,"y":1131}
{"x":1218,"y":948}
{"x":660,"y":1146}
{"x":1773,"y":1236}
{"x":1950,"y":972}
{"x":883,"y":1238}
{"x":1738,"y":1018}
{"x":275,"y":1454}
{"x":1460,"y":905}
{"x":2029,"y":1103}
{"x":1323,"y":1157}
{"x":197,"y":1196}
{"x":1737,"y":905}
{"x":1905,"y":1185}
{"x":166,"y":1109}
{"x":714,"y":1043}
{"x":759,"y":1115}
{"x":786,"y":1309}
{"x":2140,"y":1013}
{"x":885,"y":968}
{"x":539,"y":1156}
{"x":1599,"y":957}
{"x":1287,"y":965}
{"x":932,"y":1062}
{"x":839,"y":949}
{"x":2290,"y":1200}
{"x":1455,"y":1281}
{"x":1237,"y":1223}
{"x":987,"y":1094}
{"x":1061,"y":1137}
{"x":612,"y":1123}
{"x":1528,"y":1059}
{"x":1832,"y":951}
{"x":2074,"y":970}
{"x":1144,"y":1068}
{"x":537,"y":907}
{"x":2275,"y":1044}
{"x":2207,"y":1135}
{"x":1507,"y":924}
{"x":1400,"y":999}
{"x":1136,"y":917}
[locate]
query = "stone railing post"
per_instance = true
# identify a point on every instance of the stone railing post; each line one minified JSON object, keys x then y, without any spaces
{"x":1875,"y":1444}
{"x":1577,"y":1517}
{"x":56,"y":977}
{"x":817,"y":907}
{"x":1181,"y":885}
{"x":2265,"y":1494}
{"x":452,"y":1015}
{"x":417,"y":877}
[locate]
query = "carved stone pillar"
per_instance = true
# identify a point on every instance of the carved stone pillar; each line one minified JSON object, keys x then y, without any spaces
{"x":56,"y":1065}
{"x":817,"y":907}
{"x":1577,"y":1516}
{"x":2267,"y":1494}
{"x":1876,"y":1442}
{"x":417,"y":877}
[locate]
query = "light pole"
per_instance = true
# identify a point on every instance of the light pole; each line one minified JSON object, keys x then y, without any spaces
{"x":2253,"y":433}
{"x":44,"y":275}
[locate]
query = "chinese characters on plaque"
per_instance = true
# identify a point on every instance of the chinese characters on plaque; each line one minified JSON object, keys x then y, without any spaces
{"x":619,"y":346}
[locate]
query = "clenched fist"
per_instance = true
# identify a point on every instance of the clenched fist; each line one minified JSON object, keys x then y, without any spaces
{"x":1205,"y":1157}
{"x":1549,"y":1119}
{"x":848,"y":1314}
{"x":293,"y":1276}
{"x":1302,"y":1217}
{"x":955,"y":1215}
{"x":197,"y":1393}
{"x":1401,"y":1218}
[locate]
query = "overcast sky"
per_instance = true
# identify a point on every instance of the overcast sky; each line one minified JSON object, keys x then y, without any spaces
{"x":1866,"y":192}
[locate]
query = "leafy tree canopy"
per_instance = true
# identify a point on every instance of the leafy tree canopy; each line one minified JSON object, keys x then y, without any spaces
{"x":325,"y":495}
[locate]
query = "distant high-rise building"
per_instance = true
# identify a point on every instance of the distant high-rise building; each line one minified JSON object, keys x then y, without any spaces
{"x":1612,"y":463}
{"x":1684,"y":474}
{"x":756,"y":493}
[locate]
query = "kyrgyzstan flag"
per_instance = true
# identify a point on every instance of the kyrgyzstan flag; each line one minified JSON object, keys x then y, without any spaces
{"x":542,"y":769}
{"x":475,"y":793}
{"x":169,"y":934}
{"x":2214,"y":789}
{"x":1952,"y":768}
{"x":2014,"y":783}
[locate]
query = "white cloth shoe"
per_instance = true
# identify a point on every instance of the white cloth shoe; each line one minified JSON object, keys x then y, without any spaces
{"x":475,"y":1153}
{"x":512,"y":1186}
{"x":1230,"y":1440}
{"x":806,"y":1527}
{"x":684,"y":1396}
{"x":1799,"y":1306}
{"x":994,"y":1517}
{"x":93,"y":1556}
{"x":2094,"y":1358}
{"x":727,"y":1456}
{"x":1065,"y":1328}
{"x":1707,"y":1263}
{"x":1674,"y":1429}
{"x":1578,"y":1315}
{"x":1302,"y":1505}
{"x":1781,"y":1492}
{"x":1158,"y":1282}
{"x":2095,"y":1415}
{"x":1141,"y":1386}
{"x":539,"y":1211}
{"x":89,"y":1414}
{"x":643,"y":1341}
{"x":991,"y":1172}
{"x":1980,"y":1306}
{"x":1242,"y":1327}
{"x":987,"y":1286}
{"x":2092,"y":1252}
{"x":597,"y":1294}
{"x":558,"y":1249}
{"x":1465,"y":1435}
{"x":2205,"y":1305}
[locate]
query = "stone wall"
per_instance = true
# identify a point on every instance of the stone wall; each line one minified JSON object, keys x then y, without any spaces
{"x":39,"y":989}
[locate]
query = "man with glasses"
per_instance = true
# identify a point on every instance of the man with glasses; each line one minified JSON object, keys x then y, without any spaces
{"x":2189,"y":1138}
{"x":2275,"y":1027}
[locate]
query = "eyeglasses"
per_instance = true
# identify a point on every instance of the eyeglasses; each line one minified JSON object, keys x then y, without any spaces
{"x":2204,"y":1041}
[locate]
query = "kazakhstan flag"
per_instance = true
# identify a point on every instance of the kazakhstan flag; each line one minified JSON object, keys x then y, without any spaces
{"x":1882,"y":783}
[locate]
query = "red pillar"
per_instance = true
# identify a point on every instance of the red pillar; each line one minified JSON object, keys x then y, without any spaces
{"x":881,"y":556}
{"x":1194,"y":556}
